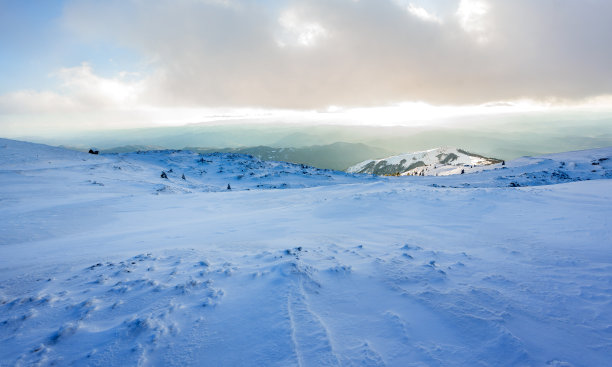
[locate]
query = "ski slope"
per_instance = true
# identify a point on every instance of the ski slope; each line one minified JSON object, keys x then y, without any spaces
{"x":103,"y":262}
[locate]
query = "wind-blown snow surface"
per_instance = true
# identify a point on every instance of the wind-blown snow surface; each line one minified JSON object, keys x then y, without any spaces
{"x":102,"y":262}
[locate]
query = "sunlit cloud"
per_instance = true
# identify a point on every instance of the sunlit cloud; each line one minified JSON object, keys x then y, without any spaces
{"x":90,"y":89}
{"x":472,"y":18}
{"x":80,"y":88}
{"x":298,"y":32}
{"x":422,"y":14}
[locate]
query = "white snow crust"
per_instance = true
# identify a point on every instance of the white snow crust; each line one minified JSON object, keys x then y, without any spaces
{"x":105,"y":263}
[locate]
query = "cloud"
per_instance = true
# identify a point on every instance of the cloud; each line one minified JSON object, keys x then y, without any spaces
{"x":422,"y":13}
{"x":298,"y":32}
{"x":472,"y":16}
{"x":419,"y":11}
{"x":30,"y":101}
{"x":91,"y":90}
{"x":311,"y":54}
{"x":80,"y":89}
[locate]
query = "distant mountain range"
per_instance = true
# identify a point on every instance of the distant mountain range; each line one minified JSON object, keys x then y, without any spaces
{"x":507,"y":137}
{"x":350,"y":157}
{"x":433,"y":162}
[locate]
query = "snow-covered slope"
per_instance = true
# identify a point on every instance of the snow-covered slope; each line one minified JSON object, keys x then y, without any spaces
{"x":341,"y":270}
{"x":142,"y":171}
{"x":527,"y":171}
{"x":433,"y":162}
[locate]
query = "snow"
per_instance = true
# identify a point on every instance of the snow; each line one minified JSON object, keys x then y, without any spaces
{"x":433,"y":162}
{"x":328,"y":269}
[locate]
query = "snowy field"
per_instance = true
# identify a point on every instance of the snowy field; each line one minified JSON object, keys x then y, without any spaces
{"x":105,"y":263}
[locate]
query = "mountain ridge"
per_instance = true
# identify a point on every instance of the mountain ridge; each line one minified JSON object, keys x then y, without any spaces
{"x":336,"y":156}
{"x":432,"y":162}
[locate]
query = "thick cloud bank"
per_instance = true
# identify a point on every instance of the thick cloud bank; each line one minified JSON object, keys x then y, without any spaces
{"x":316,"y":53}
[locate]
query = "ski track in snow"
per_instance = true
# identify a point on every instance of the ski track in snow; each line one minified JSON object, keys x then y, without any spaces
{"x":102,"y":265}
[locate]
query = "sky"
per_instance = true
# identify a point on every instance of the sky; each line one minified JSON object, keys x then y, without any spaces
{"x":83,"y":65}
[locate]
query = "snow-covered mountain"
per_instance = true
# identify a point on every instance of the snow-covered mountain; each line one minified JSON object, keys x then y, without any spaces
{"x":184,"y":171}
{"x":105,"y":263}
{"x":433,"y":162}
